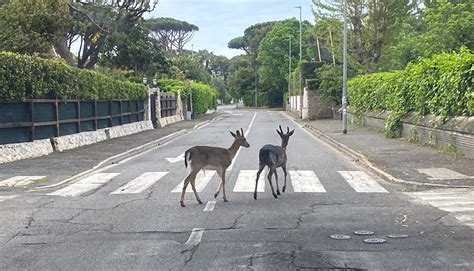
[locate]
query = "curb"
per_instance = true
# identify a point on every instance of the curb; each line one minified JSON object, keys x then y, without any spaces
{"x":121,"y":156}
{"x":363,"y":159}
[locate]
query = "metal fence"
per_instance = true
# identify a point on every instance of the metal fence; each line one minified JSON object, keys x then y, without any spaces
{"x":45,"y":118}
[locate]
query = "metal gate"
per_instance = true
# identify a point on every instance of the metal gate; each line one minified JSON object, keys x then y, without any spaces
{"x":153,"y":97}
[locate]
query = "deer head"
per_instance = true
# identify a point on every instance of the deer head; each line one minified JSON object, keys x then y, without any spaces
{"x":285,"y":137}
{"x":239,"y":138}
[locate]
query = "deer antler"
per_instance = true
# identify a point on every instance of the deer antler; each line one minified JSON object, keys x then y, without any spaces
{"x":281,"y":130}
{"x":242,"y":131}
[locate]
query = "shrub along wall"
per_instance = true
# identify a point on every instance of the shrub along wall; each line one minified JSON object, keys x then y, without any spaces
{"x":23,"y":77}
{"x":442,"y":85}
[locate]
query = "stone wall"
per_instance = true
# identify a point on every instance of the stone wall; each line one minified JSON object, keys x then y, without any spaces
{"x":19,"y":151}
{"x":316,"y":106}
{"x":456,"y":134}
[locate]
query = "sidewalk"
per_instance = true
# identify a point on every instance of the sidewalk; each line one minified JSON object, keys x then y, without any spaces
{"x":398,"y":160}
{"x":60,"y":166}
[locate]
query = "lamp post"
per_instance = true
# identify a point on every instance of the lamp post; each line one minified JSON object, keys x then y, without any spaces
{"x":344,"y":74}
{"x":289,"y":71}
{"x":301,"y":78}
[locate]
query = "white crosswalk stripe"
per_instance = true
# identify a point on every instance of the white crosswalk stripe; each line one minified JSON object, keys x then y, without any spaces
{"x":2,"y":198}
{"x":141,"y":183}
{"x":306,"y":181}
{"x":361,"y":182}
{"x":85,"y":185}
{"x":246,"y":181}
{"x":442,"y":174}
{"x":460,"y":202}
{"x":20,"y":181}
{"x":202,"y":179}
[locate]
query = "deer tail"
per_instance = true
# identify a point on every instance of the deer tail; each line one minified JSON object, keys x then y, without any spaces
{"x":187,"y":156}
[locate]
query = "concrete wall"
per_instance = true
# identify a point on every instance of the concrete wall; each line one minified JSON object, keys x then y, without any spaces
{"x":457,"y":134}
{"x":316,"y":106}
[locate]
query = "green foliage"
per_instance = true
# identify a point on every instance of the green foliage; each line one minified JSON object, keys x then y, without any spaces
{"x":249,"y":99}
{"x":134,"y":50}
{"x":204,"y":97}
{"x":273,"y":58}
{"x":241,"y":81}
{"x":175,"y":86}
{"x":171,"y":33}
{"x":442,"y":85}
{"x":330,"y":82}
{"x":23,"y":77}
{"x":32,"y":26}
{"x":191,"y":68}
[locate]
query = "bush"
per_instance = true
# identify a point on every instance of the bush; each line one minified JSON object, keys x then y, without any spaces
{"x":204,"y":97}
{"x":25,"y":77}
{"x":175,"y":86}
{"x":442,"y":85}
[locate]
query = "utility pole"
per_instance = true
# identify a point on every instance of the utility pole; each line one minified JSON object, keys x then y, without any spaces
{"x":344,"y":74}
{"x":256,"y":105}
{"x":289,"y":70}
{"x":301,"y":75}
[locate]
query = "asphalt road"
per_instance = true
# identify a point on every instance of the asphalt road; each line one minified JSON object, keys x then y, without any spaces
{"x":110,"y":220}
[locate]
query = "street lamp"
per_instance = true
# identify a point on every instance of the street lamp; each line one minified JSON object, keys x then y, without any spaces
{"x":301,"y":78}
{"x":344,"y":74}
{"x":144,"y":80}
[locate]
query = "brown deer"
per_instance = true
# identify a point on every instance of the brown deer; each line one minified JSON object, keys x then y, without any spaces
{"x":215,"y":158}
{"x":273,"y":157}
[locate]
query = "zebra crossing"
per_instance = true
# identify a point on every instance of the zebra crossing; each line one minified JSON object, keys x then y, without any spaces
{"x":302,"y":181}
{"x":459,"y":202}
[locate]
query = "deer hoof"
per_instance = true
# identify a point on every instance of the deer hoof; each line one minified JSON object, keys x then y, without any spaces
{"x":225,"y":200}
{"x":215,"y":195}
{"x":275,"y":196}
{"x":278,"y":192}
{"x":255,"y":196}
{"x":284,"y":188}
{"x":182,"y":204}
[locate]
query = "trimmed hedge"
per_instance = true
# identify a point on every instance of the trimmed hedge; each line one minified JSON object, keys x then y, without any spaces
{"x":204,"y":97}
{"x":442,"y":85}
{"x":23,"y":77}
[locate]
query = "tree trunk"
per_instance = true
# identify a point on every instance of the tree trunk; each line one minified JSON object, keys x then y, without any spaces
{"x":63,"y":51}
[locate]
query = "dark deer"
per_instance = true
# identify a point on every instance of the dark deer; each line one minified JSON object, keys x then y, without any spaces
{"x":273,"y":157}
{"x":215,"y":158}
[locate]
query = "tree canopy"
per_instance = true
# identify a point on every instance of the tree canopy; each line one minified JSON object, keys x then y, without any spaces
{"x":173,"y":34}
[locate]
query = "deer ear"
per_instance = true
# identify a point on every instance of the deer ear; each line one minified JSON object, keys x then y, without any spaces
{"x":291,"y":133}
{"x":232,"y":134}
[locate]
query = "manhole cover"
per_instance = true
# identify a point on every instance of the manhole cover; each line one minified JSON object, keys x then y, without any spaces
{"x":339,"y":236}
{"x":374,"y":240}
{"x":364,"y":232}
{"x":397,"y":235}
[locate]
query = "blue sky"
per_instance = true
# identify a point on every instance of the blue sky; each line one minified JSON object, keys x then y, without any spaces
{"x":221,"y":20}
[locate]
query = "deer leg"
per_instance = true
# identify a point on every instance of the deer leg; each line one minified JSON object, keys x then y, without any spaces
{"x":269,"y":176}
{"x":193,"y":181}
{"x":276,"y":181}
{"x":220,"y":185}
{"x":191,"y":176}
{"x":223,"y":186}
{"x":284,"y":170}
{"x":261,"y":166}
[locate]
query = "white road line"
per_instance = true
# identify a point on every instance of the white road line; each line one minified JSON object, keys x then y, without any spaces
{"x":141,"y":183}
{"x":195,"y":237}
{"x":202,"y":126}
{"x":361,"y":182}
{"x":246,"y":181}
{"x":246,"y":133}
{"x":85,"y":185}
{"x":20,"y":181}
{"x":210,"y":206}
{"x":442,"y":174}
{"x":306,"y":181}
{"x":2,"y":198}
{"x":202,"y":179}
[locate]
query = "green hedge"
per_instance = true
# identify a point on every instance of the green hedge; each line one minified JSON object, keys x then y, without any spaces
{"x":23,"y":77}
{"x":175,"y":86}
{"x":442,"y":85}
{"x":204,"y":97}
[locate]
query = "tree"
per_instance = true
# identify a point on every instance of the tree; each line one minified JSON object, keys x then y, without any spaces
{"x":173,"y":34}
{"x":191,"y":68}
{"x":241,"y":81}
{"x":32,"y":26}
{"x":273,"y":58}
{"x":135,"y":50}
{"x":93,"y":22}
